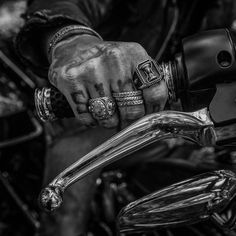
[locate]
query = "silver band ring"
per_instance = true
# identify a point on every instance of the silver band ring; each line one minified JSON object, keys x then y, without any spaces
{"x":127,"y":94}
{"x":133,"y":98}
{"x":129,"y":103}
{"x":102,"y":108}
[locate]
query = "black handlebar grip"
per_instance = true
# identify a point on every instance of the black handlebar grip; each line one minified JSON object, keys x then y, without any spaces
{"x":207,"y":59}
{"x":59,"y":104}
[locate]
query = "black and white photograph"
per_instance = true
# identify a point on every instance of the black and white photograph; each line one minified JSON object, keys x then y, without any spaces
{"x":117,"y":117}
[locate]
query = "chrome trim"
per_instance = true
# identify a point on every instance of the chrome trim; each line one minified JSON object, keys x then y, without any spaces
{"x":188,"y":202}
{"x":196,"y":127}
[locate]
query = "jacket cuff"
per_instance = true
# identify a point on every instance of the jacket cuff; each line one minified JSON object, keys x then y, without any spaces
{"x":27,"y":42}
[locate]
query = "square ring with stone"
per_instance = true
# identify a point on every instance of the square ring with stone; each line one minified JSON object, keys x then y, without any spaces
{"x":147,"y":74}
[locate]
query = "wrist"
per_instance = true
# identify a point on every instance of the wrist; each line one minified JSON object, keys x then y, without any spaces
{"x":46,"y":34}
{"x":68,"y":32}
{"x":84,"y":41}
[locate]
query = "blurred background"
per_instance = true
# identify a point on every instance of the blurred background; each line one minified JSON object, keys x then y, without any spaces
{"x":23,"y":140}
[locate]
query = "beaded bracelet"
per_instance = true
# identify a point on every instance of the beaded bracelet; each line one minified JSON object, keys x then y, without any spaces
{"x":67,"y":31}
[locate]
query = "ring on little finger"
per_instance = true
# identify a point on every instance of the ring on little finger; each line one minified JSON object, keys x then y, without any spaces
{"x":147,"y":73}
{"x":102,"y":108}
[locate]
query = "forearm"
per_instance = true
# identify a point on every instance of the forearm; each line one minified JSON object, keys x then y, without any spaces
{"x":46,"y":17}
{"x":86,"y":12}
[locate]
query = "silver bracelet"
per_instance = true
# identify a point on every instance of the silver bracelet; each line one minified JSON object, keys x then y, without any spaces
{"x":168,"y":77}
{"x":65,"y":31}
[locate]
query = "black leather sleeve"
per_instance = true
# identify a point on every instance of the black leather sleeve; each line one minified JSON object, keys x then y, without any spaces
{"x":45,"y":14}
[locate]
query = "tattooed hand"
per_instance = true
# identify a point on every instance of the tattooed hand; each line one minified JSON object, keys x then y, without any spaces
{"x":83,"y":67}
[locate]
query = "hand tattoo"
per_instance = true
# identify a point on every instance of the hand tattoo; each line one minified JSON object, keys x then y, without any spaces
{"x":79,"y":97}
{"x":99,"y":88}
{"x":53,"y":76}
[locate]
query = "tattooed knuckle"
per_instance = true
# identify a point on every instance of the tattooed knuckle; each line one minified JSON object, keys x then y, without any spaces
{"x":115,"y":52}
{"x":64,"y":78}
{"x":89,"y":67}
{"x":70,"y":73}
{"x":99,"y":87}
{"x":68,"y":77}
{"x":93,"y":64}
{"x":80,"y":99}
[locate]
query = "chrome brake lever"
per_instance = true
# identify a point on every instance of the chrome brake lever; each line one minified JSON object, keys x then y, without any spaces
{"x":196,"y":127}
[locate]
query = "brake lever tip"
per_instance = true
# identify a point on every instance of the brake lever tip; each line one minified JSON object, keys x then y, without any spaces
{"x":51,"y":198}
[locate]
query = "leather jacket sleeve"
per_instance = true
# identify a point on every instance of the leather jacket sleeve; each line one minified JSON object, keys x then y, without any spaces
{"x":44,"y":14}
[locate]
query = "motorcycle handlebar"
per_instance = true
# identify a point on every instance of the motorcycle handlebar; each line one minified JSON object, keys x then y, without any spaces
{"x":206,"y":59}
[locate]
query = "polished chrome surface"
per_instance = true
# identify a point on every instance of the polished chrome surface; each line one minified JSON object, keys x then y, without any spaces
{"x":183,"y":203}
{"x":196,"y":127}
